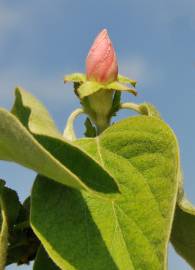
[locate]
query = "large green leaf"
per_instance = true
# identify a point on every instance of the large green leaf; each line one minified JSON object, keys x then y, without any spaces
{"x":130,"y":230}
{"x":47,"y":153}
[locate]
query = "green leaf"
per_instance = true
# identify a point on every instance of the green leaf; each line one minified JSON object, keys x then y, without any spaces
{"x":75,"y":77}
{"x":121,"y":87}
{"x":53,"y":157}
{"x":33,"y":115}
{"x":43,"y":261}
{"x":9,"y":206}
{"x":130,"y":230}
{"x":123,"y":79}
{"x":10,"y":203}
{"x":23,"y":243}
{"x":3,"y":238}
{"x":89,"y":88}
{"x":23,"y":246}
{"x":90,"y":129}
{"x":183,"y":230}
{"x":66,"y":168}
{"x":183,"y":235}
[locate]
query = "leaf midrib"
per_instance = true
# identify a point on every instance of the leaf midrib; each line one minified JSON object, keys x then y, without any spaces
{"x":113,"y":202}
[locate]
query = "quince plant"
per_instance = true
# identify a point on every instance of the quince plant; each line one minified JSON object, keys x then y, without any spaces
{"x":112,"y":200}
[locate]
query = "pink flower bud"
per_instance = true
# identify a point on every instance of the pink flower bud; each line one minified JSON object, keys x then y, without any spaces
{"x":101,"y":62}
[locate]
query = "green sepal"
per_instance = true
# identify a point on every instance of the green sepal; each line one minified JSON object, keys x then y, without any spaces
{"x":75,"y":77}
{"x":81,"y":78}
{"x":121,"y":87}
{"x":88,"y":88}
{"x":124,"y":79}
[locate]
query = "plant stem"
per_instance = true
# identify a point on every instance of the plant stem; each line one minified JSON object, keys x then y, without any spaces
{"x":102,"y":124}
{"x":131,"y":106}
{"x":69,"y":133}
{"x":100,"y":104}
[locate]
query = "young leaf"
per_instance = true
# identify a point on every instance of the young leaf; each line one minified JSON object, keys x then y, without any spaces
{"x":54,"y":157}
{"x":129,"y":230}
{"x":43,"y":261}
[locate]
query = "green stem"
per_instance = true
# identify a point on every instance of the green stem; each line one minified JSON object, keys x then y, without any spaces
{"x":3,"y":240}
{"x":101,"y":124}
{"x":131,"y":106}
{"x":69,"y":133}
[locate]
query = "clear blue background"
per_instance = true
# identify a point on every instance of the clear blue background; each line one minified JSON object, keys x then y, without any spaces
{"x":41,"y":40}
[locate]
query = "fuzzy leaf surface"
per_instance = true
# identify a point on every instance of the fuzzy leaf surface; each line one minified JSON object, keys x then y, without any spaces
{"x":28,"y":136}
{"x":129,"y":230}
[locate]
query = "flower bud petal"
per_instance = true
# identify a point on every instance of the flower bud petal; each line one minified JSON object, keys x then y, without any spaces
{"x":101,"y":62}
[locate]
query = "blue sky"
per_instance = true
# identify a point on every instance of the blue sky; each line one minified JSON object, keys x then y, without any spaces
{"x":41,"y":40}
